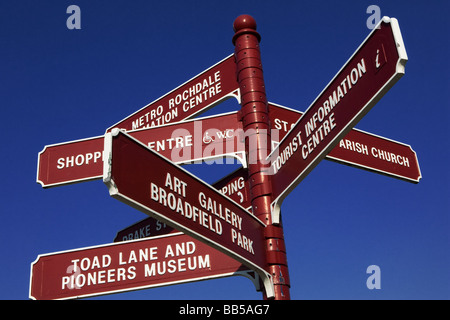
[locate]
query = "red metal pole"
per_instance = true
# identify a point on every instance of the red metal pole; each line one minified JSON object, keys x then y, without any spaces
{"x":256,"y":124}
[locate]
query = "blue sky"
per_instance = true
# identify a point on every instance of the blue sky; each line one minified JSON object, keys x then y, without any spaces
{"x":58,"y":85}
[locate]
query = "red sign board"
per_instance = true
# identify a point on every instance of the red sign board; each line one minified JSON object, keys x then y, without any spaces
{"x":208,"y":138}
{"x":218,"y":136}
{"x":188,"y":100}
{"x":70,"y":162}
{"x":381,"y":155}
{"x":131,"y":265}
{"x":235,"y":186}
{"x":372,"y":70}
{"x":146,"y":228}
{"x":141,"y":178}
{"x":360,"y":149}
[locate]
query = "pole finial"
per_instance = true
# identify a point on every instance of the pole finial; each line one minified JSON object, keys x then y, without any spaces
{"x":245,"y":24}
{"x":244,"y":21}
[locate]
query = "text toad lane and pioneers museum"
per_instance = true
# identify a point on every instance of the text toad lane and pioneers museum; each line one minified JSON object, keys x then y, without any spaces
{"x":196,"y":231}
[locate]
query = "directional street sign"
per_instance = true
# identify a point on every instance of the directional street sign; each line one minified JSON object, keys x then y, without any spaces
{"x":372,"y":70}
{"x":148,"y":227}
{"x":195,"y":96}
{"x":360,"y":149}
{"x":131,"y":265}
{"x":143,"y":179}
{"x":378,"y":154}
{"x":81,"y":160}
{"x":70,"y":162}
{"x":196,"y":231}
{"x":218,"y":136}
{"x":205,"y":139}
{"x":183,"y":142}
{"x":234,"y":186}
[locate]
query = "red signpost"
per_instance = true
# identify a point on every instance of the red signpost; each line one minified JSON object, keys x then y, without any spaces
{"x":132,"y":265}
{"x":222,"y":235}
{"x":372,"y":70}
{"x":179,"y":199}
{"x":256,"y":121}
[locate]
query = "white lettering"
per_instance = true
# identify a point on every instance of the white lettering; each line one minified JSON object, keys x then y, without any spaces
{"x":78,"y":160}
{"x":389,"y":157}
